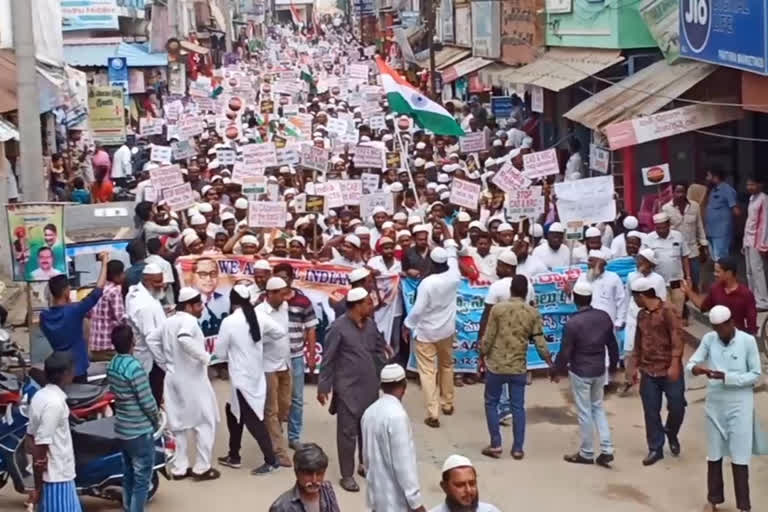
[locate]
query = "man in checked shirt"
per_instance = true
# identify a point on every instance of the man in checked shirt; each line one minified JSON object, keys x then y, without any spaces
{"x":107,"y":314}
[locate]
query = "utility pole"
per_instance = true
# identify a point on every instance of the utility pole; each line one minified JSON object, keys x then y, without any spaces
{"x":230,"y":33}
{"x":173,"y":18}
{"x":431,"y":41}
{"x":28,"y":97}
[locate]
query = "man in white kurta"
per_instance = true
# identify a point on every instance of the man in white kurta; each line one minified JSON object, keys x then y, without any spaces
{"x":389,"y":453}
{"x":731,"y":361}
{"x":190,"y":401}
{"x":145,"y":314}
{"x":553,"y":253}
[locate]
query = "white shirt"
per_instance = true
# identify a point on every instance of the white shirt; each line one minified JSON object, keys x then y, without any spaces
{"x":573,"y":167}
{"x":377,"y":263}
{"x":609,"y":295}
{"x":245,"y":358}
{"x":43,"y":275}
{"x":481,"y":507}
{"x":669,"y":254}
{"x":552,"y":259}
{"x":500,"y":291}
{"x":486,"y":265}
{"x":145,"y":315}
{"x":49,"y":425}
{"x":531,"y":267}
{"x":277,"y":344}
{"x":389,"y":456}
{"x":433,"y":316}
{"x":581,"y":254}
{"x":121,"y":162}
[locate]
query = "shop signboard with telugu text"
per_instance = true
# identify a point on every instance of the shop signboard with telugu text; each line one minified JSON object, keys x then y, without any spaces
{"x":89,"y":15}
{"x":106,"y":115}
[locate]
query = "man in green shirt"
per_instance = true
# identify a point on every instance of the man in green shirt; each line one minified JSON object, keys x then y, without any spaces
{"x":136,"y":418}
{"x":504,"y":349}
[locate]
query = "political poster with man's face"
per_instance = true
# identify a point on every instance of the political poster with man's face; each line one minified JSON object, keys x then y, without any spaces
{"x":36,"y":234}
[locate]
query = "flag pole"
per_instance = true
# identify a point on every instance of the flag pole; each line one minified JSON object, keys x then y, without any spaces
{"x":404,"y":161}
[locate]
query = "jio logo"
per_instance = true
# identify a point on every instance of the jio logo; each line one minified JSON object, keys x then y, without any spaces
{"x":697,"y":21}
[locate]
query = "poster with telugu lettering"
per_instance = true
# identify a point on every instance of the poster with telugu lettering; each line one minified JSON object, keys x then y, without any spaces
{"x":332,"y":192}
{"x":264,"y":153}
{"x":369,"y":157}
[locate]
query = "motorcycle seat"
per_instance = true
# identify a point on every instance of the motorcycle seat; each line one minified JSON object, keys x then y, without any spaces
{"x":79,"y":395}
{"x":94,"y":439}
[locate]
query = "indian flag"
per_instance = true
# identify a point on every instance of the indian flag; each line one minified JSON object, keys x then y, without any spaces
{"x":403,"y":98}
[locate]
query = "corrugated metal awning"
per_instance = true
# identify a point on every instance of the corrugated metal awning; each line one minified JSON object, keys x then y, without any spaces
{"x":8,"y":131}
{"x":96,"y":55}
{"x":641,"y":94}
{"x":562,"y":67}
{"x":463,"y":68}
{"x":445,"y":57}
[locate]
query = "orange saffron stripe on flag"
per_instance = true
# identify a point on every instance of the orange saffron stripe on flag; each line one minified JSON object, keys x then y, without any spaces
{"x":384,"y":69}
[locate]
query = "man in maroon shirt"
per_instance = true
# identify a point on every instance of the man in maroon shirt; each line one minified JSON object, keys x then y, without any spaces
{"x":729,"y":292}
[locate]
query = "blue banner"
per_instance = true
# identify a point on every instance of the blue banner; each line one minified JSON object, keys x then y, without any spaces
{"x":89,"y":14}
{"x":502,"y":106}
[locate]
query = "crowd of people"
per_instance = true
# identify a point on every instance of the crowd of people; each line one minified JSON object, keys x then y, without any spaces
{"x":152,"y":327}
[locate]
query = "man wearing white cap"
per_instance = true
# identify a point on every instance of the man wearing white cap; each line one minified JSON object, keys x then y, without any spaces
{"x":353,"y":355}
{"x":416,"y":262}
{"x":608,"y":292}
{"x":190,"y":403}
{"x":646,"y":263}
{"x":671,"y":258}
{"x":389,"y":453}
{"x":459,"y":483}
{"x":433,"y":320}
{"x":349,"y":252}
{"x":587,"y":336}
{"x":145,"y":314}
{"x":553,"y":253}
{"x":619,"y":243}
{"x":685,"y":217}
{"x":731,"y":361}
{"x":592,"y":242}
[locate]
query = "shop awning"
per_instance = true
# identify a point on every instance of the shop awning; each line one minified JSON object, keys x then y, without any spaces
{"x":445,"y":57}
{"x":641,"y":94}
{"x":463,"y":68}
{"x":8,"y":131}
{"x":96,"y":55}
{"x":562,"y":67}
{"x":49,"y":80}
{"x":491,"y":75}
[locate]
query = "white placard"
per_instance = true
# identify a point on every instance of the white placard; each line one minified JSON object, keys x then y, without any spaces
{"x":589,"y":199}
{"x":465,"y":194}
{"x":226,"y":156}
{"x":370,"y":182}
{"x":180,"y":197}
{"x":337,"y":127}
{"x":540,"y":164}
{"x":537,"y":99}
{"x":332,"y":192}
{"x":369,"y":202}
{"x":472,"y":142}
{"x":525,"y":203}
{"x":656,"y":175}
{"x":508,"y":178}
{"x":165,"y":177}
{"x":369,"y":156}
{"x":377,"y":123}
{"x":183,"y":149}
{"x":150,"y":126}
{"x":289,"y":155}
{"x":358,"y":72}
{"x":263,"y":153}
{"x":244,"y":170}
{"x":254,"y":187}
{"x":267,"y":214}
{"x":189,"y":126}
{"x":161,"y":154}
{"x":273,"y":191}
{"x":314,"y":158}
{"x":351,"y":190}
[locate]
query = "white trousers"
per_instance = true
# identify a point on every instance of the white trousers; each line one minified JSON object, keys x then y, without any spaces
{"x":206,"y":435}
{"x":756,"y":276}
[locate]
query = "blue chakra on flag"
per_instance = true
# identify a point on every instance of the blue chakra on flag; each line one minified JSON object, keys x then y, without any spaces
{"x":418,"y":100}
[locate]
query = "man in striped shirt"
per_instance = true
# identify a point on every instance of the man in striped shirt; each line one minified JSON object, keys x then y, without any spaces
{"x":136,"y":418}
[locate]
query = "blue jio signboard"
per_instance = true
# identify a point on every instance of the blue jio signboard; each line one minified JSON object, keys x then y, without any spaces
{"x":502,"y":106}
{"x":730,"y":33}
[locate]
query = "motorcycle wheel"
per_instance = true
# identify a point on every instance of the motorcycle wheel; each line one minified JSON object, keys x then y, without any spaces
{"x":153,"y":485}
{"x":4,"y":476}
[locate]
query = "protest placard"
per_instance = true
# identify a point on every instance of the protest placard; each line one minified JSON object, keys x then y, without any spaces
{"x":472,"y":142}
{"x":245,"y":169}
{"x":351,"y":190}
{"x":273,"y":191}
{"x":508,"y":178}
{"x":350,"y":138}
{"x":161,"y":154}
{"x":393,"y":160}
{"x":201,"y":87}
{"x":226,"y":156}
{"x":588,"y":199}
{"x":165,"y":177}
{"x":368,"y":202}
{"x":314,"y":204}
{"x":332,"y":192}
{"x":279,"y":142}
{"x":314,"y":158}
{"x":525,"y":203}
{"x":180,"y":197}
{"x":173,"y":110}
{"x":370,"y":182}
{"x":266,"y":107}
{"x":189,"y":126}
{"x":465,"y":194}
{"x":540,"y":164}
{"x":267,"y":214}
{"x":303,"y":122}
{"x":369,"y":156}
{"x":183,"y":149}
{"x":377,"y":123}
{"x":254,"y":186}
{"x":290,"y":110}
{"x":287,"y":156}
{"x":263,"y":153}
{"x":150,"y":126}
{"x":337,"y":127}
{"x":358,"y":71}
{"x":599,"y":158}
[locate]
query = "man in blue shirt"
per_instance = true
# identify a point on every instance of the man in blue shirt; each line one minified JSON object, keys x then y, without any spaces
{"x":722,"y":206}
{"x":62,"y":323}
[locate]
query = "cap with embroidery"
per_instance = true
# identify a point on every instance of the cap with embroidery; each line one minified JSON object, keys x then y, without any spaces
{"x":392,"y":373}
{"x":276,"y":283}
{"x":630,"y":223}
{"x":358,"y":274}
{"x":187,"y":294}
{"x":582,"y":288}
{"x":456,"y":461}
{"x":356,"y":294}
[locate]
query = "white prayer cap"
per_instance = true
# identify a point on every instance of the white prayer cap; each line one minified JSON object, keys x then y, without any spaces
{"x":421,"y":146}
{"x":497,"y":143}
{"x":660,"y":218}
{"x":189,"y":239}
{"x":276,"y":283}
{"x":187,"y":294}
{"x":354,"y":222}
{"x":582,"y":288}
{"x":205,"y":208}
{"x":298,"y":239}
{"x":227,"y":216}
{"x":261,"y":265}
{"x":151,"y":269}
{"x":205,"y":190}
{"x":443,"y":178}
{"x":641,"y":284}
{"x":387,"y":225}
{"x":396,"y":187}
{"x":392,"y":373}
{"x":400,"y":216}
{"x":439,"y":255}
{"x":634,"y":234}
{"x":431,"y":185}
{"x":592,"y":232}
{"x":597,"y":253}
{"x":362,"y":231}
{"x":456,"y":461}
{"x":402,"y":233}
{"x":358,"y":274}
{"x":527,"y":143}
{"x":387,"y":137}
{"x":463,"y":217}
{"x":477,"y":224}
{"x":354,"y":240}
{"x":414,"y":219}
{"x":249,"y":240}
{"x":285,"y":170}
{"x":243,"y":291}
{"x":378,"y":210}
{"x":421,"y":228}
{"x":192,"y":211}
{"x":509,"y":257}
{"x":356,"y":294}
{"x":419,"y":162}
{"x":648,"y":254}
{"x":536,"y":231}
{"x":385,"y":240}
{"x":197,"y":220}
{"x":241,"y":203}
{"x":445,"y":196}
{"x":454,"y":155}
{"x":630,"y":222}
{"x":489,"y":162}
{"x":719,"y":315}
{"x":556,"y":227}
{"x":505,"y":226}
{"x":429,"y":165}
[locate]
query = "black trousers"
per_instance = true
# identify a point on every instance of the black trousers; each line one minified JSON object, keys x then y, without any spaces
{"x":715,"y":494}
{"x":255,"y":426}
{"x":156,"y":383}
{"x":348,"y":432}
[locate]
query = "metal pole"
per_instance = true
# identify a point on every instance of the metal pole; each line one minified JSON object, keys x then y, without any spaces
{"x":173,"y":18}
{"x":404,"y":161}
{"x":28,"y":97}
{"x":431,"y":41}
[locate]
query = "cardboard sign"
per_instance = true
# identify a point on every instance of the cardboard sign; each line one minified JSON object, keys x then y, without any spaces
{"x":370,"y":182}
{"x":263,"y":153}
{"x":369,"y":156}
{"x":267,"y":107}
{"x":358,"y":71}
{"x":472,"y":142}
{"x":337,"y":127}
{"x":465,"y":194}
{"x":151,"y":126}
{"x":540,"y":164}
{"x":162,"y":154}
{"x":599,"y":159}
{"x":314,"y":158}
{"x":508,"y":178}
{"x":656,"y":175}
{"x":254,"y":186}
{"x":226,"y":156}
{"x":166,"y":177}
{"x":369,"y":202}
{"x":351,"y":191}
{"x":267,"y":214}
{"x":332,"y":192}
{"x":314,"y":204}
{"x":525,"y":203}
{"x":183,"y":149}
{"x":189,"y":126}
{"x":173,"y":110}
{"x":377,"y":123}
{"x":201,"y":87}
{"x":243,"y":170}
{"x":589,"y":199}
{"x":180,"y":197}
{"x":287,"y":156}
{"x":393,"y":160}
